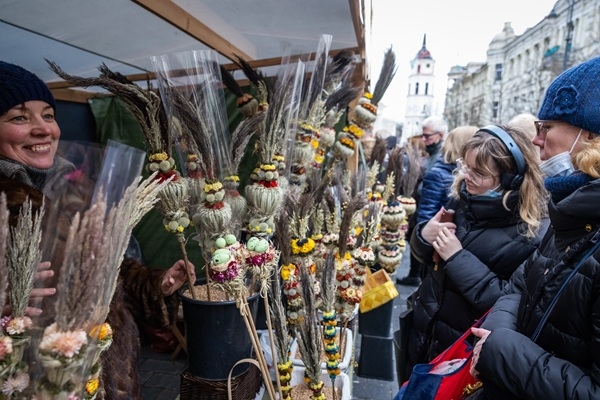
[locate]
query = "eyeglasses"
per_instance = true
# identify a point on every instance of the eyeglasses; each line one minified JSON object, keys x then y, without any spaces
{"x":475,"y":177}
{"x":428,"y":135}
{"x":542,"y":127}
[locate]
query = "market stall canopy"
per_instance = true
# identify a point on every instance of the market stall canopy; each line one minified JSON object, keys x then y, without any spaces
{"x":124,"y":34}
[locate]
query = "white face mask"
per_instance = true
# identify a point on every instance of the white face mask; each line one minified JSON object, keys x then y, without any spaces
{"x":560,"y":164}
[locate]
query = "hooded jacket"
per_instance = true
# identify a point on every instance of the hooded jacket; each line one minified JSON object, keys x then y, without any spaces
{"x":458,"y":292}
{"x":564,"y":363}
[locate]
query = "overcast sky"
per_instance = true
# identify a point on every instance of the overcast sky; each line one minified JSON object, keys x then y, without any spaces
{"x":458,"y":32}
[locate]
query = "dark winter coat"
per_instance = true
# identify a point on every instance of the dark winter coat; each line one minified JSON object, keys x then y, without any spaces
{"x":435,"y":189}
{"x":458,"y":292}
{"x":564,"y":363}
{"x":137,"y":297}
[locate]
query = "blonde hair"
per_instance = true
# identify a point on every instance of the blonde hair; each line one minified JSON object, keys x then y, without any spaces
{"x":456,"y":139}
{"x":524,"y":123}
{"x":493,"y":157}
{"x":587,"y":160}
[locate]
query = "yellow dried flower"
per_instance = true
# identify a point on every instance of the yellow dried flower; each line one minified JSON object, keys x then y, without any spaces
{"x":213,"y":187}
{"x":354,"y":130}
{"x":302,"y":246}
{"x":159,"y":156}
{"x":347,"y":142}
{"x":91,"y":387}
{"x":268,"y":167}
{"x":101,"y":332}
{"x":232,"y":178}
{"x":286,"y":271}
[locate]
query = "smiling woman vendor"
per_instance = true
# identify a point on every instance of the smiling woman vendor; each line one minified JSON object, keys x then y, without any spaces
{"x":29,"y":138}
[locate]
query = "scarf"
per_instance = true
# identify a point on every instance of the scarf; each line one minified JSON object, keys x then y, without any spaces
{"x":434,"y":148}
{"x":34,"y":177}
{"x":562,"y":186}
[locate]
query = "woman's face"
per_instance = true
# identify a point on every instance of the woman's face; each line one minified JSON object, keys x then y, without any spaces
{"x":555,"y":137}
{"x":29,"y":134}
{"x":477,"y":180}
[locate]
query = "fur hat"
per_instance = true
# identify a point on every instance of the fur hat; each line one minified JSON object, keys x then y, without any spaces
{"x":17,"y":85}
{"x":573,"y":97}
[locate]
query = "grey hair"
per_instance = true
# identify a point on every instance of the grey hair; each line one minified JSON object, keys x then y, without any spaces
{"x":436,"y":124}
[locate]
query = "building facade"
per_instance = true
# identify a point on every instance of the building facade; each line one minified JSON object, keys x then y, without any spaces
{"x":518,"y":69}
{"x":419,"y":99}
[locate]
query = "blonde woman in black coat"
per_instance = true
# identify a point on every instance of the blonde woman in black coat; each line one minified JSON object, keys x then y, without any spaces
{"x":499,"y":202}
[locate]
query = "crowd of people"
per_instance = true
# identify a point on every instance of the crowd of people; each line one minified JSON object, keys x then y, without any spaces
{"x":520,"y":247}
{"x":525,"y":201}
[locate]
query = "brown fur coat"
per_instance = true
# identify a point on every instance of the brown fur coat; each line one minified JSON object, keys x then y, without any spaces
{"x":138,"y":297}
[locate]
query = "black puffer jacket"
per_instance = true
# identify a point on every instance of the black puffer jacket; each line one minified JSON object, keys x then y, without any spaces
{"x":456,"y":294}
{"x":565,"y":361}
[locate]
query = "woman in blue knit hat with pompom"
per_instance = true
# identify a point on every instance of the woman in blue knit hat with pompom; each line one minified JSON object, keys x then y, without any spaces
{"x":542,"y":339}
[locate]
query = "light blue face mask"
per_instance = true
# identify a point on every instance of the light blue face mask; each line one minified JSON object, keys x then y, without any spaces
{"x":492,"y":193}
{"x":560,"y":164}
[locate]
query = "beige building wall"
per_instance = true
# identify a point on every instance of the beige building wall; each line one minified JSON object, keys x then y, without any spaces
{"x":518,"y":69}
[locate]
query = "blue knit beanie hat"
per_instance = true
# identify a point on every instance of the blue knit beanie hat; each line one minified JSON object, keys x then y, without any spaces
{"x":574,"y":97}
{"x":17,"y":85}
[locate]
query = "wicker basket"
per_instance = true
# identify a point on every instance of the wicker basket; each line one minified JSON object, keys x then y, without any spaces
{"x":378,"y":290}
{"x":244,"y":386}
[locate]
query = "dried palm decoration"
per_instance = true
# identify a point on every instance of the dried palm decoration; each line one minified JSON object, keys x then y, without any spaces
{"x":23,"y":253}
{"x":195,"y":98}
{"x":93,"y":252}
{"x":348,"y":294}
{"x":264,"y":195}
{"x":311,"y":117}
{"x":240,"y":138}
{"x":402,"y":171}
{"x":365,"y":113}
{"x":259,"y":83}
{"x":147,"y":108}
{"x":308,"y":335}
{"x":246,"y":103}
{"x":144,"y":104}
{"x":279,"y":333}
{"x":338,"y":92}
{"x":404,"y":162}
{"x":329,"y":317}
{"x":19,"y":257}
{"x":3,"y":245}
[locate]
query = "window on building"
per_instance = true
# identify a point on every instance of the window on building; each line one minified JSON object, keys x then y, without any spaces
{"x":419,"y":69}
{"x":498,"y":72}
{"x":426,"y":88}
{"x":417,"y":88}
{"x":495,"y":110}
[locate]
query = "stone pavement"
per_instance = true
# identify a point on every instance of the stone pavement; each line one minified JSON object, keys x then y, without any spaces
{"x":161,"y":376}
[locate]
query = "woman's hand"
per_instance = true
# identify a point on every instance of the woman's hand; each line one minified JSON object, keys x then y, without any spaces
{"x":37,"y":294}
{"x":432,"y":229}
{"x":176,"y":276}
{"x":482,"y":334}
{"x":446,"y":244}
